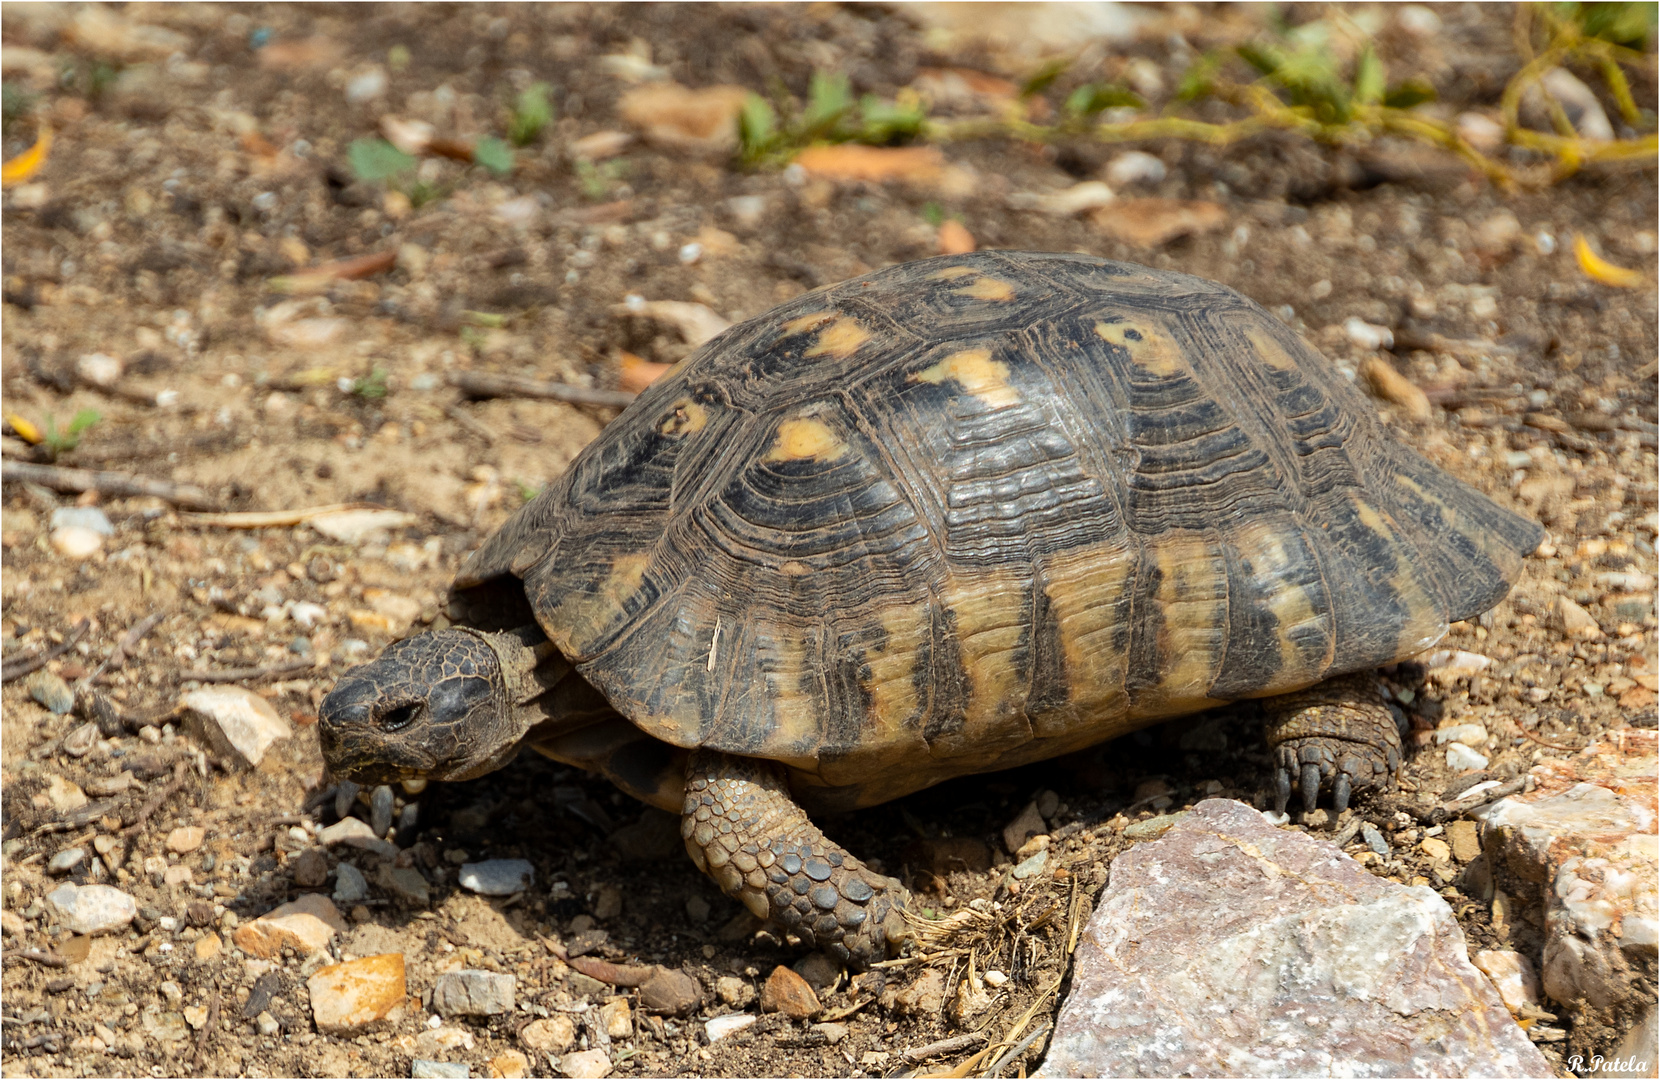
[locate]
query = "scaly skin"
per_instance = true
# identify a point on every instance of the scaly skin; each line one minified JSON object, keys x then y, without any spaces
{"x":1339,"y":731}
{"x":743,"y":829}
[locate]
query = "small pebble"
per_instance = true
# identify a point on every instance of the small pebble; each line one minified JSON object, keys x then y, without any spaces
{"x":788,"y":993}
{"x":350,"y":886}
{"x":1367,"y":335}
{"x":84,"y":517}
{"x":1461,"y":758}
{"x":66,"y":860}
{"x":186,"y":838}
{"x":1436,"y":849}
{"x":380,"y":810}
{"x":79,"y":743}
{"x":552,"y":1035}
{"x":51,"y":692}
{"x":472,"y":992}
{"x":1374,"y":840}
{"x":734,"y":991}
{"x":420,"y":1068}
{"x":1152,"y":828}
{"x":586,"y":1065}
{"x":498,"y":877}
{"x":367,"y":86}
{"x":1034,"y":865}
{"x":92,"y":909}
{"x":719,"y":1027}
{"x":1135,"y":167}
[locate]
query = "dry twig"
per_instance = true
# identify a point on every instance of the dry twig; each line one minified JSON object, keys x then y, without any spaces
{"x":206,"y":1033}
{"x":247,"y":674}
{"x":114,"y":484}
{"x":44,"y":959}
{"x":920,"y":1054}
{"x":18,"y":666}
{"x":181,"y":769}
{"x":483,"y":384}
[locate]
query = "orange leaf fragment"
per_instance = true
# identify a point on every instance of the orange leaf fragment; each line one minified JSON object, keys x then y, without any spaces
{"x":636,"y":373}
{"x":874,"y":163}
{"x":26,"y":164}
{"x":1152,"y":222}
{"x":1602,"y":270}
{"x":317,"y":278}
{"x":955,"y":239}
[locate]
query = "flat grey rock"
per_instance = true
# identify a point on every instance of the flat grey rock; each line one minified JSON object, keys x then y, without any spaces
{"x":473,"y":993}
{"x":92,"y":909}
{"x":420,"y":1068}
{"x":497,"y":877}
{"x":1228,"y":947}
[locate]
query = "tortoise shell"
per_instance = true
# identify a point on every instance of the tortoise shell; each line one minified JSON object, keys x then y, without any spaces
{"x":975,"y":511}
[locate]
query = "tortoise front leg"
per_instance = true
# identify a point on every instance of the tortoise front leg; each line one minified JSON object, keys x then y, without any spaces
{"x":1339,"y":731}
{"x":743,"y":829}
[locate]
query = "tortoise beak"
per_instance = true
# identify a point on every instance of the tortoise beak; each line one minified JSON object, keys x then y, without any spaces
{"x":355,"y":744}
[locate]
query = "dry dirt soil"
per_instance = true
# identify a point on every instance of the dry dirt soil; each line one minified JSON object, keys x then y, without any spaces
{"x":202,"y":154}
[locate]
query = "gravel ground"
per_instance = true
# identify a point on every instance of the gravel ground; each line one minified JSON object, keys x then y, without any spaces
{"x":186,"y":177}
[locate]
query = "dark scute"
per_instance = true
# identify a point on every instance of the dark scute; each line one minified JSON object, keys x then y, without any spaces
{"x":454,"y":698}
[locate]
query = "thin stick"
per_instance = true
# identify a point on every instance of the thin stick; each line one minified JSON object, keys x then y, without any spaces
{"x":50,"y":960}
{"x":247,"y":674}
{"x":118,"y":484}
{"x":180,"y":771}
{"x":943,"y":1046}
{"x":118,"y":658}
{"x":471,"y":423}
{"x":272,"y":519}
{"x":483,"y":384}
{"x":1018,"y":1049}
{"x":1526,"y":734}
{"x":19,"y":666}
{"x":206,"y":1033}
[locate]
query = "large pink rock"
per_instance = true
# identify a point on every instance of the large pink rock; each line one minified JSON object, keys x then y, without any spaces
{"x":1582,"y":844}
{"x":1229,"y":947}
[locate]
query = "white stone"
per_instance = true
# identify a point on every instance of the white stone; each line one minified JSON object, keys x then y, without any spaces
{"x":1135,"y":167}
{"x":473,"y":993}
{"x":1369,"y":336}
{"x":1472,"y":735}
{"x":586,"y":1065}
{"x":719,"y":1027}
{"x":422,"y":1069}
{"x":92,"y":909}
{"x":1513,"y":975}
{"x":360,"y":526}
{"x":1082,"y":196}
{"x":237,"y":723}
{"x":76,"y":542}
{"x":99,"y":369}
{"x":355,"y":833}
{"x":1461,"y":758}
{"x":1449,"y":665}
{"x":497,"y":877}
{"x":367,"y":85}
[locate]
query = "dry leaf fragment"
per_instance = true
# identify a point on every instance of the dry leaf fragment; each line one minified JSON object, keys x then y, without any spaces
{"x":636,"y":373}
{"x":704,"y":120}
{"x":318,"y":278}
{"x":696,"y":322}
{"x":1152,"y":222}
{"x":873,"y":163}
{"x":955,"y":239}
{"x":26,"y":164}
{"x":1600,"y":269}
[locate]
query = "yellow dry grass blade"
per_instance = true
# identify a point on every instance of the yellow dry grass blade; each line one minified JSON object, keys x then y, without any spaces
{"x":26,"y":431}
{"x":1601,"y":269}
{"x":26,"y":164}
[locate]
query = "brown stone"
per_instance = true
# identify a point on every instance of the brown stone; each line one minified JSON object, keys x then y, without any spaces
{"x":308,"y":924}
{"x":510,"y":1065}
{"x":553,"y":1035}
{"x":670,"y":992}
{"x":209,"y":946}
{"x":923,"y":997}
{"x":186,"y":839}
{"x":311,"y":868}
{"x":1464,"y":837}
{"x":788,"y":993}
{"x":350,"y":998}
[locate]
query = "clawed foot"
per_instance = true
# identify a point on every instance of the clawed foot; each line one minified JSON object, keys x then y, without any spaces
{"x":1339,"y":733}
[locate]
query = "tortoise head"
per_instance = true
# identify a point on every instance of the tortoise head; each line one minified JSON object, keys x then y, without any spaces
{"x":442,"y":706}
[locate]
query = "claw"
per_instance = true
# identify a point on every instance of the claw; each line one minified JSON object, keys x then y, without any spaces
{"x":1311,"y":787}
{"x":1282,"y":788}
{"x":1340,"y":793}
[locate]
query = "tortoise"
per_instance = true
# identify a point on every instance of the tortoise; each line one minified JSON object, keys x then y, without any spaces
{"x":945,"y":518}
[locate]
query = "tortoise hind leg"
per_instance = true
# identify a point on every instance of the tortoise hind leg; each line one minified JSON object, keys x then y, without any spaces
{"x":743,"y":829}
{"x":1339,"y":731}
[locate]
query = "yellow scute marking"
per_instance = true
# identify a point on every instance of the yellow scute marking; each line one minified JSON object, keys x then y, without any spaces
{"x":1193,"y":596}
{"x":805,"y":437}
{"x":1087,"y":589}
{"x":840,"y":339}
{"x":992,"y":613}
{"x":1150,"y":348}
{"x":687,"y":418}
{"x":952,"y":273}
{"x":1269,"y":351}
{"x":808,"y":322}
{"x":585,"y":616}
{"x":977,"y":373}
{"x":988,"y":288}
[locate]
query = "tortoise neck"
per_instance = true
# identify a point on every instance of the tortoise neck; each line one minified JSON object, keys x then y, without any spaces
{"x":530,"y":667}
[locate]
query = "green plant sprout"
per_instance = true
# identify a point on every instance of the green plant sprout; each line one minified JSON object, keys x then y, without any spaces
{"x":1299,"y":85}
{"x":370,"y":387}
{"x":532,"y":111}
{"x":597,"y":181}
{"x":61,"y":442}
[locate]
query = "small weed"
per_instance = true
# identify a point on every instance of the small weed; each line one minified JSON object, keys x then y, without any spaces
{"x":376,"y":161}
{"x":61,"y":442}
{"x":526,"y":491}
{"x":494,"y":155}
{"x":532,"y":111}
{"x":829,"y":115}
{"x":597,"y":181}
{"x":371,"y":387}
{"x":16,"y":103}
{"x":933,"y":214}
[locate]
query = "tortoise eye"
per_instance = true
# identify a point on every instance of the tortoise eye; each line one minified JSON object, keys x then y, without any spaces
{"x":399,"y":718}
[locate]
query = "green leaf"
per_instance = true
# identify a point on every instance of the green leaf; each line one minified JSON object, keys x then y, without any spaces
{"x":376,"y":161}
{"x":532,"y":111}
{"x":888,"y":121}
{"x":1622,"y":23}
{"x":828,"y":97}
{"x":1199,"y":80}
{"x":1408,"y":94}
{"x":933,"y":214}
{"x":1369,"y":78}
{"x":1265,"y":58}
{"x":494,"y":155}
{"x":757,"y":125}
{"x":1044,"y":77}
{"x":1091,"y":98}
{"x":83,"y":420}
